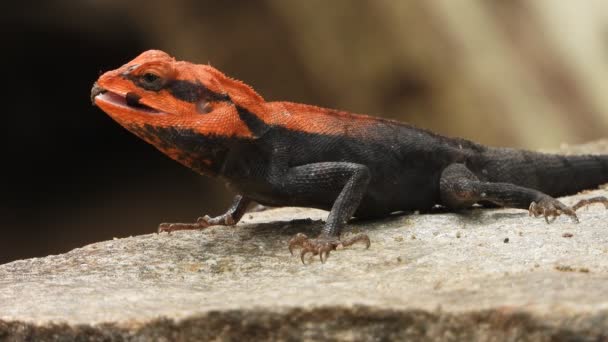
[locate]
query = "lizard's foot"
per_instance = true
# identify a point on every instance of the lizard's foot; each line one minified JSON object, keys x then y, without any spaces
{"x":323,"y":245}
{"x":551,"y":208}
{"x":201,"y":223}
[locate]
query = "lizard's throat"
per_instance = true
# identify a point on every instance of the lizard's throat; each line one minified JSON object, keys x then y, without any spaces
{"x":202,"y":154}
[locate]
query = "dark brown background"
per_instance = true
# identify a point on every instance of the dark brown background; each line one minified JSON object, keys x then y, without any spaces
{"x":527,"y":74}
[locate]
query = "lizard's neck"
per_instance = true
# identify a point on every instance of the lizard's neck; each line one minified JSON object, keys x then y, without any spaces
{"x":203,"y":154}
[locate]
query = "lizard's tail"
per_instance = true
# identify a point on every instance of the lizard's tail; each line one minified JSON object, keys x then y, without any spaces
{"x":575,"y":174}
{"x":556,"y":175}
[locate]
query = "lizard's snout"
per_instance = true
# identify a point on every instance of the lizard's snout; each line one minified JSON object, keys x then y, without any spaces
{"x":96,"y":90}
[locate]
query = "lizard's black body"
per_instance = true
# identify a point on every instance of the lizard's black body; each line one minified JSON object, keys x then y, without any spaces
{"x":406,"y":168}
{"x":351,"y":165}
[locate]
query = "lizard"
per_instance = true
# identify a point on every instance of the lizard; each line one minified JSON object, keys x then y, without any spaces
{"x":288,"y":154}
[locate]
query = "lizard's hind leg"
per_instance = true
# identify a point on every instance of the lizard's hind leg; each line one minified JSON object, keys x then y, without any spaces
{"x":459,"y":188}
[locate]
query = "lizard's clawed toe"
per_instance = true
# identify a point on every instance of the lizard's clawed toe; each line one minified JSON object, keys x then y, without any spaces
{"x":171,"y":227}
{"x":297,"y":241}
{"x":323,"y":245}
{"x":203,"y":220}
{"x":588,"y":201}
{"x":357,"y":238}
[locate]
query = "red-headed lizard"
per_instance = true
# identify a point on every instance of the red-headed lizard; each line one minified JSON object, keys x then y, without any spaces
{"x":290,"y":154}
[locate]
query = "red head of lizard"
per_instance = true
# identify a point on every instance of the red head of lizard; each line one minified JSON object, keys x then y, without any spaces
{"x":155,"y":93}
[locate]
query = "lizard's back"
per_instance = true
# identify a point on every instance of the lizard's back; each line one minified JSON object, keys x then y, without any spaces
{"x":405,"y":162}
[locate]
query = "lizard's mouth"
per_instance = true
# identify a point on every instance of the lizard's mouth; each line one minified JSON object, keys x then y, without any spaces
{"x":127,"y":101}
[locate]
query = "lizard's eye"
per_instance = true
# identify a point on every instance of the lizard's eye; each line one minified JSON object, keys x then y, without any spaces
{"x":150,"y":81}
{"x":150,"y":77}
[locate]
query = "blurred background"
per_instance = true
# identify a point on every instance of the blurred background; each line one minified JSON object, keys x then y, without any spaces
{"x":530,"y":74}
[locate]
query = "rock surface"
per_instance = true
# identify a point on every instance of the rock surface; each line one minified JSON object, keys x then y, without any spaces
{"x":475,"y":274}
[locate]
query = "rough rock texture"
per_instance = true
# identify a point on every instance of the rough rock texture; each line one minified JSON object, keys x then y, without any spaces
{"x":474,"y":274}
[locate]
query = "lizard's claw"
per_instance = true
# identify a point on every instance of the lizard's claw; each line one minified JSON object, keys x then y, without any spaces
{"x":323,"y":245}
{"x":551,"y":208}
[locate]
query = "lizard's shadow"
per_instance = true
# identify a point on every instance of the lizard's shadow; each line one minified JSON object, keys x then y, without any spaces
{"x":481,"y":216}
{"x":312,"y":227}
{"x":472,"y":215}
{"x":285,"y":228}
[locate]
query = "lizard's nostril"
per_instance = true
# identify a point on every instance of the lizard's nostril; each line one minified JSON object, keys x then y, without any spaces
{"x":133,"y":99}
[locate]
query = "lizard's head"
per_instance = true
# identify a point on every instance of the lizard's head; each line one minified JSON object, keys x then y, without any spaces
{"x":176,"y":106}
{"x":155,"y":89}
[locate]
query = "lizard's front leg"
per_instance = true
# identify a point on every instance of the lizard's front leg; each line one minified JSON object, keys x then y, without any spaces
{"x":318,"y":180}
{"x":229,"y":218}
